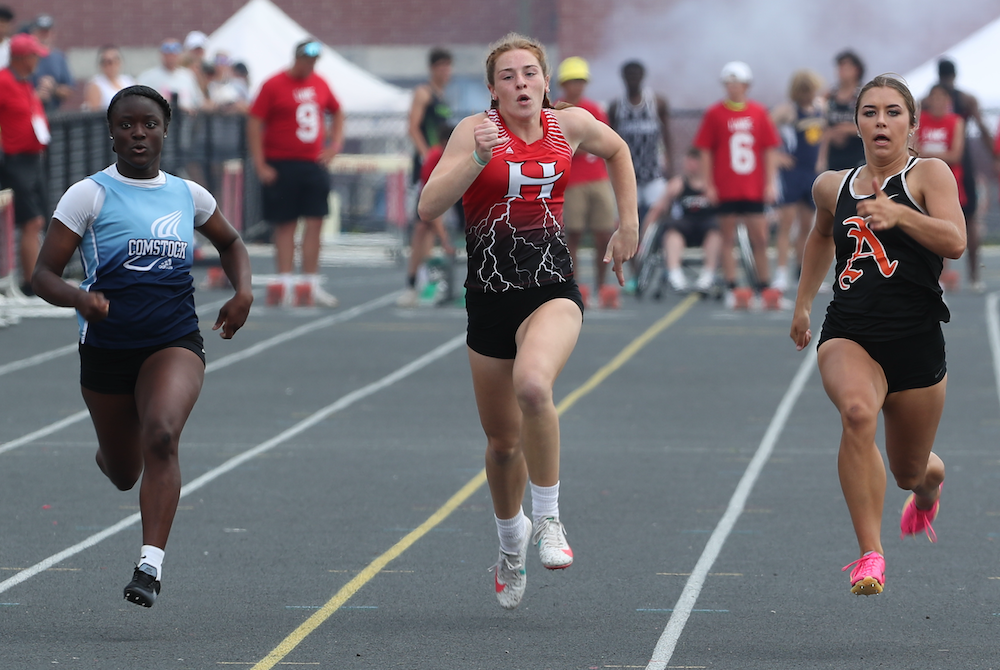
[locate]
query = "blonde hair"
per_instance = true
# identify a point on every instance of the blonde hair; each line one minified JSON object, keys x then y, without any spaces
{"x":514,"y":42}
{"x":804,"y":81}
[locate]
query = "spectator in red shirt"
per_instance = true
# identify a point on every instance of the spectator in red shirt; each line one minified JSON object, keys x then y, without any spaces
{"x":738,"y":144}
{"x":295,"y":129}
{"x":24,"y":134}
{"x":589,"y":202}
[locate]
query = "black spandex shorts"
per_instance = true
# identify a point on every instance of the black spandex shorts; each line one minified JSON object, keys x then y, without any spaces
{"x":301,"y":189}
{"x":912,"y":362}
{"x":116,"y":370}
{"x":495,"y":317}
{"x":740,"y":207}
{"x":694,"y":230}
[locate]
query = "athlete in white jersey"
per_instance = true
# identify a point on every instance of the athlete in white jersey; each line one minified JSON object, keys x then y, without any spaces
{"x":141,"y":358}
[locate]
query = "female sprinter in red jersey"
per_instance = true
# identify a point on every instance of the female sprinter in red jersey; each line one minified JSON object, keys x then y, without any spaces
{"x":509,"y":165}
{"x":888,"y":223}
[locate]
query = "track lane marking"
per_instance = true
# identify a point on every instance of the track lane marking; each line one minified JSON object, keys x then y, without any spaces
{"x":665,"y":646}
{"x":296,"y":637}
{"x":223,"y":362}
{"x":239,"y":459}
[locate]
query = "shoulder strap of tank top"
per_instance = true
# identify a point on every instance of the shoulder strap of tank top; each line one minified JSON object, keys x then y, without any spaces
{"x":848,"y":179}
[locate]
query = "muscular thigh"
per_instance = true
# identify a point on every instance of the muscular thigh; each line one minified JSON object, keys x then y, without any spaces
{"x":492,"y":382}
{"x":547,"y":337}
{"x":169,"y":384}
{"x":850,"y":375}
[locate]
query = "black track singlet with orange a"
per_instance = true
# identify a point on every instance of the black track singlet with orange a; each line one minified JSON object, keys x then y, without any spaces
{"x":887,"y":284}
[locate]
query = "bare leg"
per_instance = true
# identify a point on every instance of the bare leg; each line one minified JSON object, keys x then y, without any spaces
{"x":421,"y":244}
{"x":911,"y":422}
{"x":283,"y":237}
{"x":711,"y":247}
{"x":168,"y":386}
{"x":29,"y":246}
{"x":786,"y":218}
{"x":673,"y":248}
{"x":601,"y":240}
{"x":311,"y":245}
{"x":757,"y":229}
{"x":857,"y":386}
{"x":727,"y":227}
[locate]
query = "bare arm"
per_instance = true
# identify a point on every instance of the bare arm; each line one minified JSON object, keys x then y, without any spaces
{"x":59,"y":246}
{"x":334,"y":138}
{"x":91,"y":97}
{"x":457,"y":169}
{"x":942,"y":229}
{"x":706,"y":174}
{"x":817,"y":256}
{"x":585,"y":132}
{"x":674,"y":188}
{"x":255,"y":142}
{"x":421,"y":95}
{"x":972,"y":105}
{"x":236,"y":264}
{"x":663,"y":111}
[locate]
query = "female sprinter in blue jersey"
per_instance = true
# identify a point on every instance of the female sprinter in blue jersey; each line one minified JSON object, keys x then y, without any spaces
{"x":142,"y":361}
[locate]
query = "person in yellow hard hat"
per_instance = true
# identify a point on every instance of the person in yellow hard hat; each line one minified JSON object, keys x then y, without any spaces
{"x":589,"y":201}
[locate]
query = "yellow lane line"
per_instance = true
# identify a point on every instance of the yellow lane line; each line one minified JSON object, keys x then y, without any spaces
{"x":367,"y":574}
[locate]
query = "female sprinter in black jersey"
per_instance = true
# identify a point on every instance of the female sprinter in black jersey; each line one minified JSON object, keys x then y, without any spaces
{"x":888,"y":223}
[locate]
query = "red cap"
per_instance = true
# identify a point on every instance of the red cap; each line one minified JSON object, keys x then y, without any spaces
{"x":24,"y":44}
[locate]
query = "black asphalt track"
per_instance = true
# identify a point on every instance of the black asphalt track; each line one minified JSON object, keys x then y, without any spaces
{"x":652,"y":454}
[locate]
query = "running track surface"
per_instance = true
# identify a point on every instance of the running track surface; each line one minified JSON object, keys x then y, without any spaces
{"x":334,"y":514}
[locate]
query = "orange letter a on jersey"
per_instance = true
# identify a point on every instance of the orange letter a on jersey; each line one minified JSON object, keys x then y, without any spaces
{"x":866,"y":245}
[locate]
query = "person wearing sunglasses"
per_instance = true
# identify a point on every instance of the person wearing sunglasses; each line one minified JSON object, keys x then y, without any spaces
{"x":295,"y":128}
{"x":102,"y":86}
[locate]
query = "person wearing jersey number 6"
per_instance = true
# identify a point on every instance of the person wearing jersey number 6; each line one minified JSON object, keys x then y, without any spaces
{"x":525,"y":312}
{"x":888,"y":224}
{"x":738,"y":143}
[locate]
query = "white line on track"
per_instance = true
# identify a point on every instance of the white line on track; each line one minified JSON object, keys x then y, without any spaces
{"x":692,"y":589}
{"x":234,"y":462}
{"x":47,"y":356}
{"x":225,"y":361}
{"x":993,"y":328}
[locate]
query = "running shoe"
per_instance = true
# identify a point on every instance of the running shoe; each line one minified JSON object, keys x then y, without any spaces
{"x":408,"y":299}
{"x":509,"y":578}
{"x":706,"y":280}
{"x":553,"y":549}
{"x":677,"y":280}
{"x":323,"y":299}
{"x":868,"y":575}
{"x":144,"y":587}
{"x":915,"y":519}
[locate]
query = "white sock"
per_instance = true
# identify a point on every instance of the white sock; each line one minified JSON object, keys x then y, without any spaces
{"x":153,"y":557}
{"x":544,"y":502}
{"x":287,"y":280}
{"x":511,"y":532}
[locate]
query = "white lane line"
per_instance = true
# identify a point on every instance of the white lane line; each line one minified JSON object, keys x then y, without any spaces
{"x":225,"y":361}
{"x":692,"y":589}
{"x":993,"y":328}
{"x":234,"y":462}
{"x":52,"y":354}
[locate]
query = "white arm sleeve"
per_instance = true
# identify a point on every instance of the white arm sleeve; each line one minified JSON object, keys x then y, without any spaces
{"x":204,"y":203}
{"x":80,"y":205}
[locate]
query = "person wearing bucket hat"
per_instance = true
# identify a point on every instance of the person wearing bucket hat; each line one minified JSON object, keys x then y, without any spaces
{"x":25,"y":135}
{"x":738,"y":144}
{"x":589,"y":202}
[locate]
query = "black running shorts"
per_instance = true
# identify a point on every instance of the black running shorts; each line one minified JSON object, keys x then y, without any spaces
{"x":116,"y":370}
{"x":912,"y":362}
{"x":495,"y":317}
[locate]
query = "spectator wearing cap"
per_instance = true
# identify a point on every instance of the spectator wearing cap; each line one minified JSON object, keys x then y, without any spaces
{"x":193,"y":58}
{"x":295,"y":129}
{"x":841,"y":147}
{"x":738,"y":144}
{"x":24,"y":135}
{"x":227,"y":92}
{"x":101,"y":88}
{"x":6,"y":24}
{"x":589,"y":200}
{"x":52,"y":79}
{"x":175,"y":83}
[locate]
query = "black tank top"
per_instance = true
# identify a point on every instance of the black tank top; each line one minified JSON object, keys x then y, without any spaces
{"x":852,"y":152}
{"x":886,"y":285}
{"x":692,"y":205}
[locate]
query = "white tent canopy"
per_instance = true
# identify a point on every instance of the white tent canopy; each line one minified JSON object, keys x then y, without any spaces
{"x":976,"y":58}
{"x":263,"y":37}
